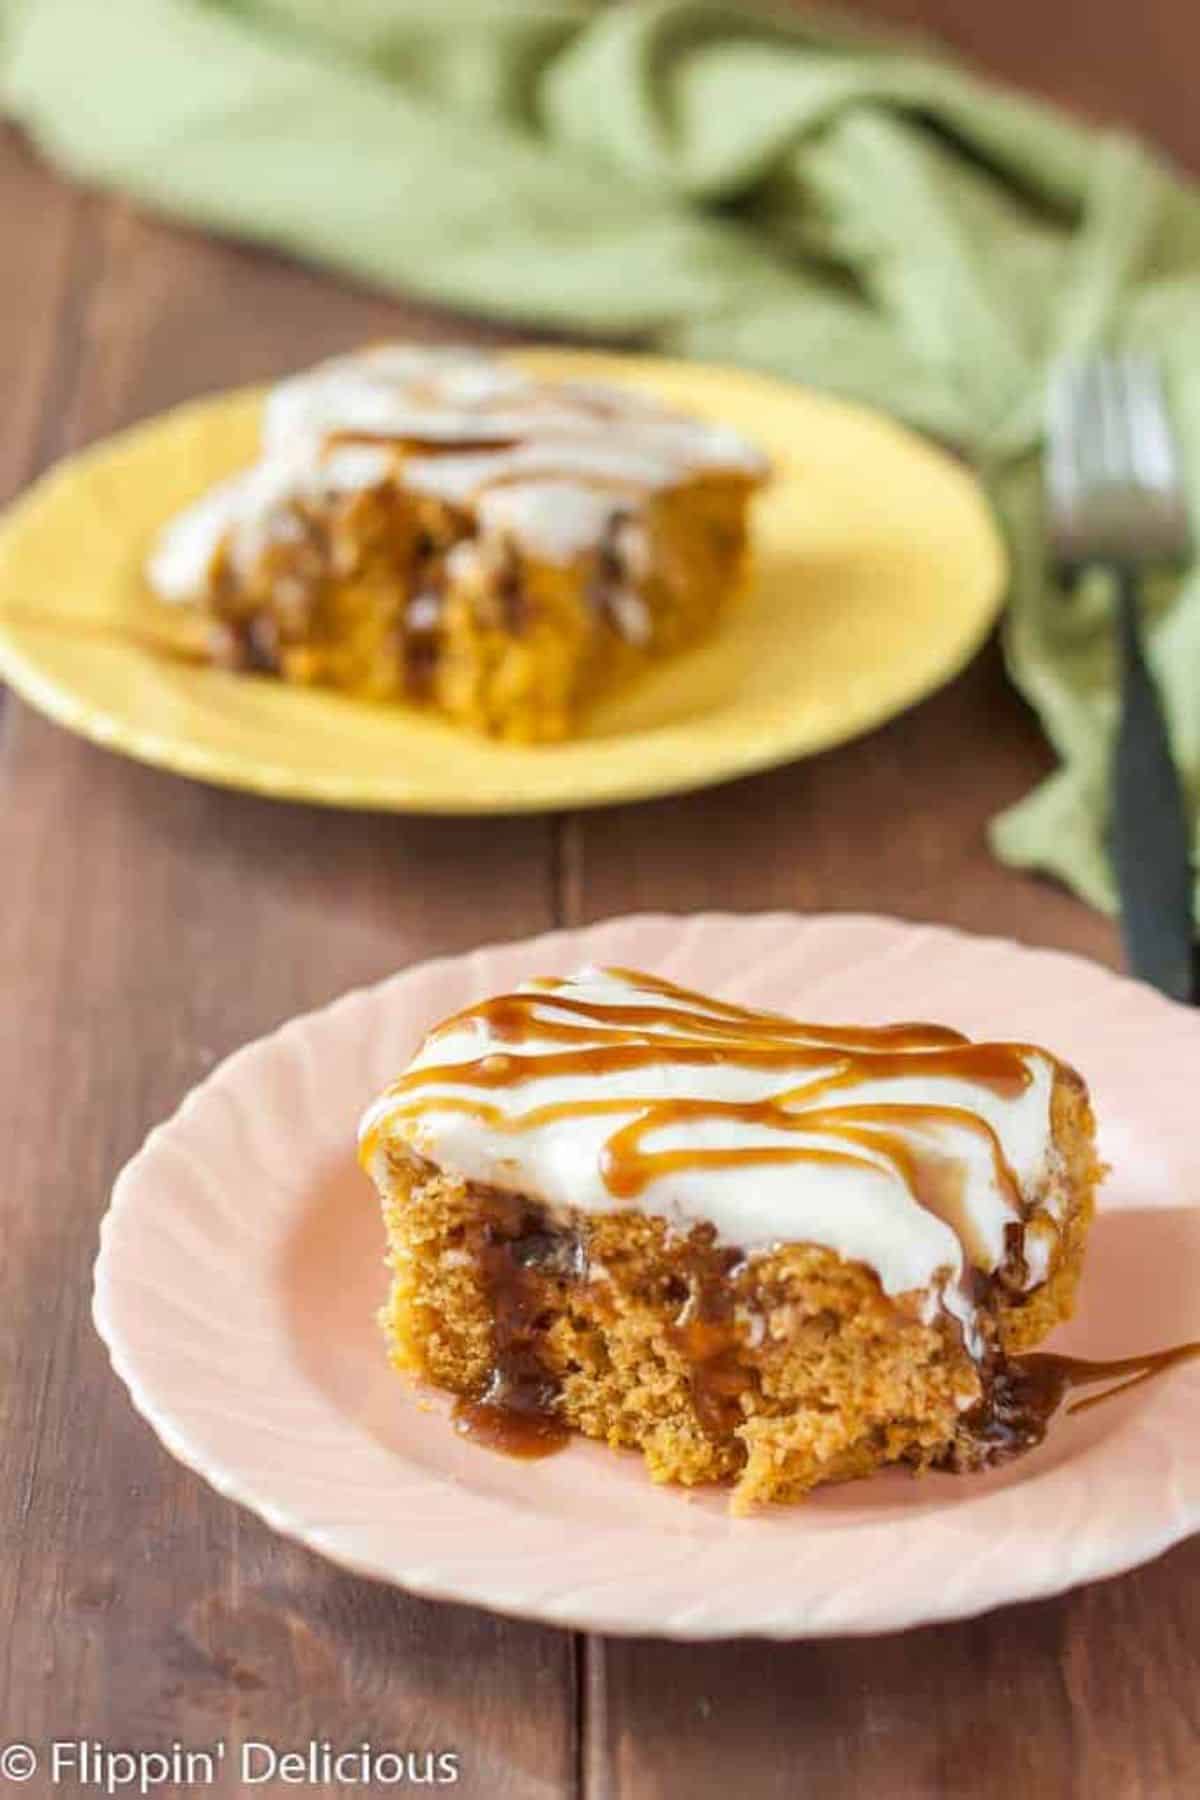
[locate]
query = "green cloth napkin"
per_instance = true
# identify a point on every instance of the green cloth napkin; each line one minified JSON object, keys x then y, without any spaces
{"x":782,"y":191}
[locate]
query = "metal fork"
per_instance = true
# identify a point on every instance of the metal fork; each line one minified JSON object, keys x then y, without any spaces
{"x":1116,"y":501}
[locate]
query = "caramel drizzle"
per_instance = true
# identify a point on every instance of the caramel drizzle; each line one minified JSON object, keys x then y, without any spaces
{"x":598,"y":1039}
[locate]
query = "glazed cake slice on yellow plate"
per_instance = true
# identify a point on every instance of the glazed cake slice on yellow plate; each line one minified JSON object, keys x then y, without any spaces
{"x":756,"y":1250}
{"x":438,"y":526}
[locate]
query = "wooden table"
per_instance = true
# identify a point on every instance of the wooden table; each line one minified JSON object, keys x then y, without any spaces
{"x":149,"y":925}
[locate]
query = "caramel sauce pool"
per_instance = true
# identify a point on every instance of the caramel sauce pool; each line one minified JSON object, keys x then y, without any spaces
{"x":527,"y":1435}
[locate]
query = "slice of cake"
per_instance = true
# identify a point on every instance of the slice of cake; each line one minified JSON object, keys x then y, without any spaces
{"x":439,"y":527}
{"x":752,"y":1249}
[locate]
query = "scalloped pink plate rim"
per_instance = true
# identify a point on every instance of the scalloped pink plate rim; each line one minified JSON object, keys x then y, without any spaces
{"x":241,"y":1263}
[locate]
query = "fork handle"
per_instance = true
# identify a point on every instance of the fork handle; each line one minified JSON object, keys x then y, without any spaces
{"x":1151,"y":835}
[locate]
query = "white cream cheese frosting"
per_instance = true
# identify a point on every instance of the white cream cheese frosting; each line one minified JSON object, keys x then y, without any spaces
{"x":568,"y":458}
{"x":906,"y":1148}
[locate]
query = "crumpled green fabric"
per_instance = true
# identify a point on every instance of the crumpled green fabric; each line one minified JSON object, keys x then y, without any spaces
{"x":789,"y":192}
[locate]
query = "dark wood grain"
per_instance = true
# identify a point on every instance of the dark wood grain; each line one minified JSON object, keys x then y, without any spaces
{"x":149,"y":925}
{"x":895,"y":822}
{"x":1121,"y":65}
{"x":43,"y":230}
{"x":1092,"y":1694}
{"x":1104,"y":1682}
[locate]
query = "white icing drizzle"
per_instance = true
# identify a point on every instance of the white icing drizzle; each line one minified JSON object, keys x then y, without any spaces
{"x":531,"y":469}
{"x":872,"y":1114}
{"x":560,"y":514}
{"x":554,"y":466}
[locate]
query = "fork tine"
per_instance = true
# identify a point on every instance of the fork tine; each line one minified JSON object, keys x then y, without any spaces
{"x":1112,"y":443}
{"x":1094,"y":444}
{"x":1155,"y":455}
{"x":1062,"y":411}
{"x":1112,"y":465}
{"x":1158,"y":460}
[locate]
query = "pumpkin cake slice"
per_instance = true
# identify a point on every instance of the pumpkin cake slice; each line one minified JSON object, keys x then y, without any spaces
{"x":757,"y":1251}
{"x":438,"y":527}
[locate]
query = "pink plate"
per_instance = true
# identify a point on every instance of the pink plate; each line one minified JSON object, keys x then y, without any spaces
{"x":240,"y":1269}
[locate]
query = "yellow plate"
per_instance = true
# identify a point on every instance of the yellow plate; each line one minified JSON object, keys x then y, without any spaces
{"x":878,"y":572}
